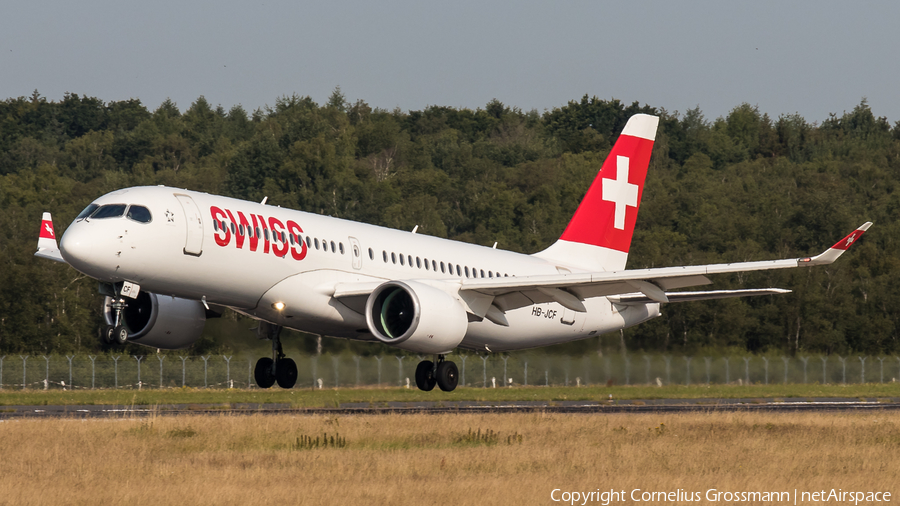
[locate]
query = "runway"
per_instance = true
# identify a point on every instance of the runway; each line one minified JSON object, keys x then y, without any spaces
{"x":445,"y":407}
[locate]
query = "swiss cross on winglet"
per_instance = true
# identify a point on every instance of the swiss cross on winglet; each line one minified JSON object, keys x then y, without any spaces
{"x":838,"y":249}
{"x":47,"y":230}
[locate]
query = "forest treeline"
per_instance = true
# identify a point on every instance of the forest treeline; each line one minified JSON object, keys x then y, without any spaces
{"x":737,"y":188}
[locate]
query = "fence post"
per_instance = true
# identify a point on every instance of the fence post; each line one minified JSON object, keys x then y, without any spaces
{"x":1,"y":371}
{"x":139,"y":358}
{"x":47,"y":377}
{"x":183,"y":367}
{"x":708,"y":361}
{"x":785,"y":360}
{"x":727,"y":370}
{"x":400,"y":370}
{"x":585,"y":362}
{"x":315,"y":371}
{"x":93,"y":370}
{"x":766,"y":367}
{"x":116,"y":360}
{"x":687,"y":375}
{"x":24,"y":361}
{"x":160,"y":358}
{"x":356,"y":359}
{"x":484,"y":371}
{"x":880,"y":359}
{"x":380,"y":358}
{"x":862,"y":374}
{"x":249,"y":373}
{"x":227,"y":369}
{"x":747,"y":370}
{"x":627,"y":369}
{"x":844,"y":369}
{"x":334,"y":362}
{"x":804,"y":360}
{"x":647,"y":368}
{"x":205,"y":369}
{"x":462,"y":377}
{"x":526,"y":373}
{"x":70,"y":369}
{"x":824,"y":375}
{"x":505,"y":380}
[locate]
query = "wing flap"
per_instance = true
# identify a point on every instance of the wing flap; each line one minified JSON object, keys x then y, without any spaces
{"x":699,"y":295}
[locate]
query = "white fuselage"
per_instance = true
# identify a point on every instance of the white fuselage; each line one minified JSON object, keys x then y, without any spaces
{"x":185,"y":252}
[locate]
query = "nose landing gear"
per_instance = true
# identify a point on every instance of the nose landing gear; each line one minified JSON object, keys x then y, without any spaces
{"x":440,"y":372}
{"x":116,"y":333}
{"x":278,"y":369}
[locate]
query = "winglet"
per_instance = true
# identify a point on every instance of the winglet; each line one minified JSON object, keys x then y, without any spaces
{"x":47,"y":246}
{"x":832,"y":253}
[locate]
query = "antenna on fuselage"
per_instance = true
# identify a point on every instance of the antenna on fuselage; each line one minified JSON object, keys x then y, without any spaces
{"x":494,"y":246}
{"x":415,"y":228}
{"x":264,"y":200}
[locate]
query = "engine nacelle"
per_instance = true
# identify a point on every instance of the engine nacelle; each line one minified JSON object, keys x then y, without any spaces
{"x":160,"y":321}
{"x":414,"y":316}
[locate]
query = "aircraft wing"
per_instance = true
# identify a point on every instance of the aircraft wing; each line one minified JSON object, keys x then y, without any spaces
{"x":569,"y":290}
{"x":47,"y":246}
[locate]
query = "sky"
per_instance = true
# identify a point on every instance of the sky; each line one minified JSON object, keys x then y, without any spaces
{"x":805,"y":57}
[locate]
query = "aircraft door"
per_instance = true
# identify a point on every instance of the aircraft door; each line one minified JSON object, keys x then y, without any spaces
{"x":356,"y":253}
{"x":193,"y":244}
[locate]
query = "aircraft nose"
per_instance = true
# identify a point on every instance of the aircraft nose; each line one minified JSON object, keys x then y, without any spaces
{"x":76,"y":247}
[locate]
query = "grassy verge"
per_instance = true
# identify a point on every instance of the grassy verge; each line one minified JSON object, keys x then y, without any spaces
{"x":466,"y":458}
{"x":379,"y":396}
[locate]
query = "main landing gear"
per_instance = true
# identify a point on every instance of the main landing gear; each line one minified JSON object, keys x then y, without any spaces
{"x":279,"y":368}
{"x":116,"y":333}
{"x":440,"y":372}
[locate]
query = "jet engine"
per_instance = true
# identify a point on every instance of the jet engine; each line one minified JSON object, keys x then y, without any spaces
{"x":414,"y":316}
{"x":160,"y":321}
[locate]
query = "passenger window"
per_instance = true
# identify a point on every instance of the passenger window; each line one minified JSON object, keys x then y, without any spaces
{"x":266,"y":233}
{"x":467,"y":272}
{"x":458,"y":272}
{"x":482,"y":273}
{"x":333,"y":249}
{"x":490,"y":274}
{"x":372,"y":254}
{"x":139,"y":214}
{"x":109,"y":211}
{"x":418,"y":262}
{"x":409,"y":257}
{"x":434,"y":265}
{"x":384,"y":254}
{"x":341,"y":245}
{"x":442,"y":267}
{"x":317,"y":244}
{"x":402,"y":259}
{"x":309,"y":242}
{"x":394,"y":258}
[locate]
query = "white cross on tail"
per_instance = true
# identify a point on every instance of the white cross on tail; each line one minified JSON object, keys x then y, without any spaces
{"x":620,"y":192}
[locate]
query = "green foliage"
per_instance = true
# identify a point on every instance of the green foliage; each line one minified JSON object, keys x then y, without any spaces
{"x":742,"y":187}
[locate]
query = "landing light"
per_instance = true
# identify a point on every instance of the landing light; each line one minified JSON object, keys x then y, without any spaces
{"x":278,"y":306}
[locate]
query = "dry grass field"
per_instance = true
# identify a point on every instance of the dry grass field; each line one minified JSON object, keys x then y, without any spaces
{"x":438,"y":459}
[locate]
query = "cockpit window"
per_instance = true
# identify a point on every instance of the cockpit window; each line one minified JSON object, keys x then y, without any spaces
{"x":87,"y":212}
{"x":139,"y":213}
{"x":109,"y":211}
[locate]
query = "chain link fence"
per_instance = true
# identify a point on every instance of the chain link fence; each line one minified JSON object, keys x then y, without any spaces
{"x":476,"y":370}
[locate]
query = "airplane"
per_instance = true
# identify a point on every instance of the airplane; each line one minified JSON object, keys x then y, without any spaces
{"x":167,"y":259}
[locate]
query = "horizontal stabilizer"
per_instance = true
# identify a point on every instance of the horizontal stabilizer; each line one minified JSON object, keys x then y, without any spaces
{"x":698,"y":295}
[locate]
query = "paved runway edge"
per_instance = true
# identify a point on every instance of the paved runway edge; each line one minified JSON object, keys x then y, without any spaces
{"x":575,"y":407}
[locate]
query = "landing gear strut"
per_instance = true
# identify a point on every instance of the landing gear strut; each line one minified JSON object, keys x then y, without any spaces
{"x":279,"y":368}
{"x":116,"y":333}
{"x":440,"y":372}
